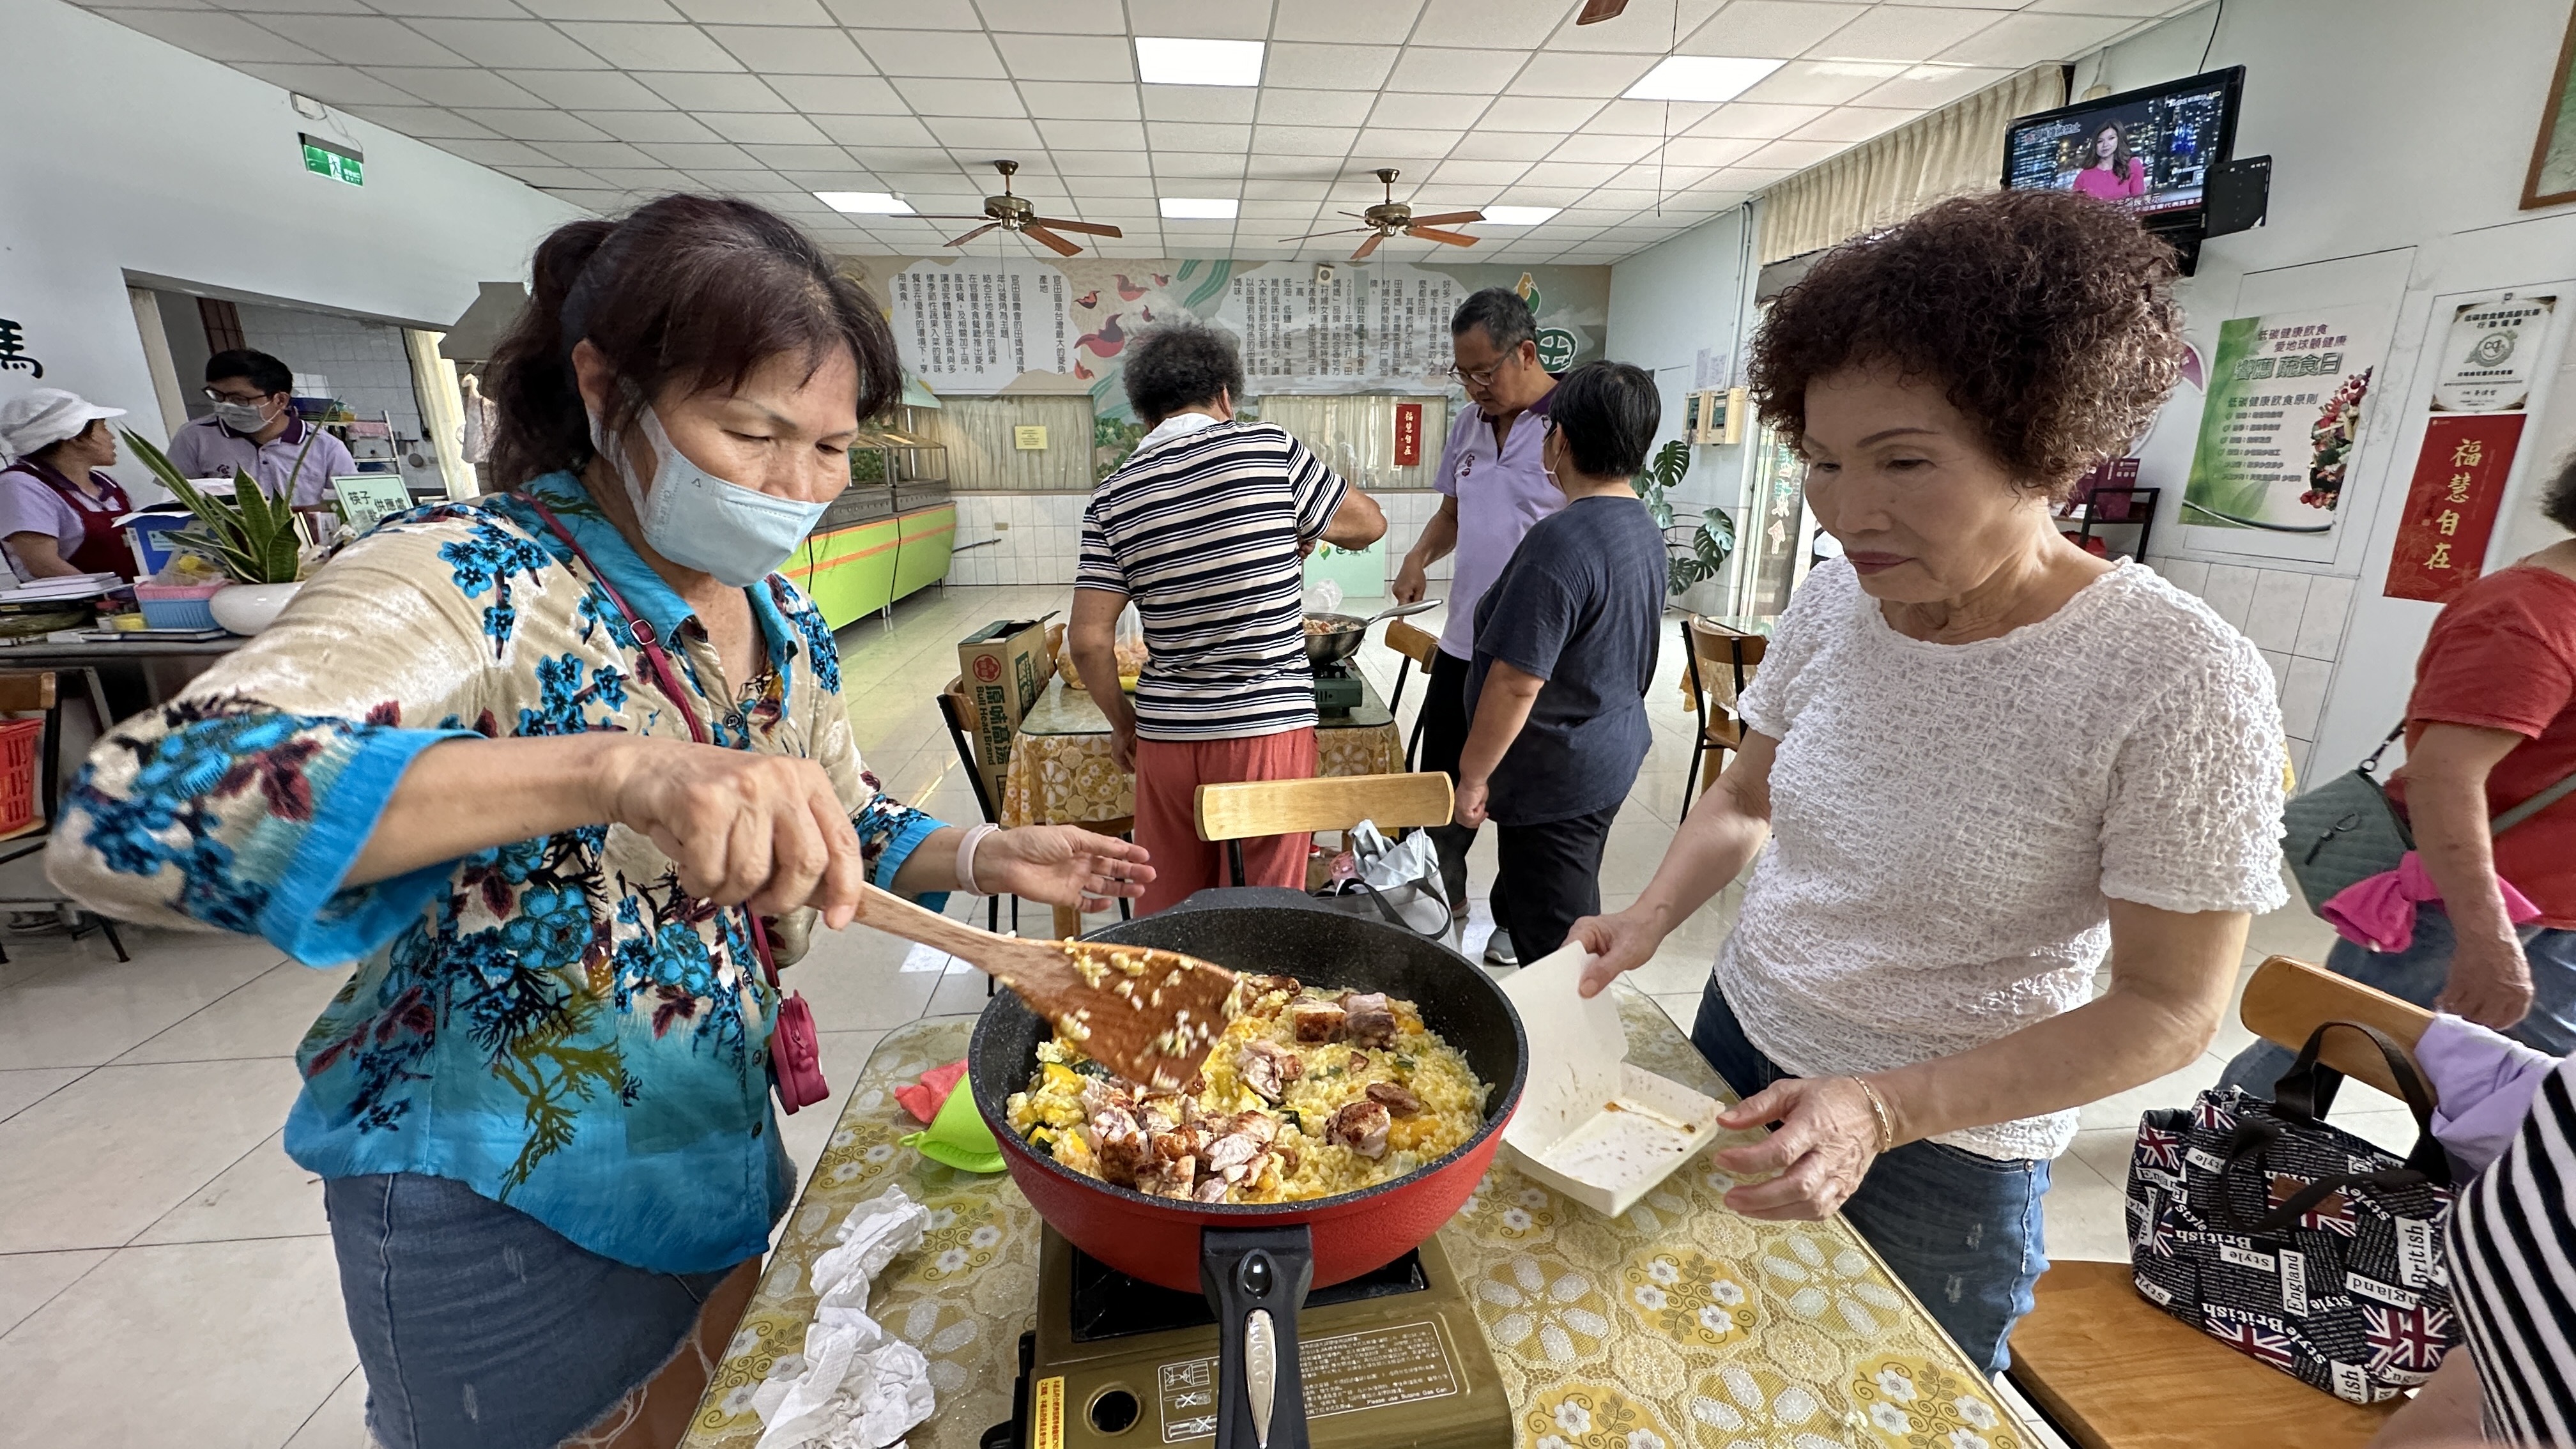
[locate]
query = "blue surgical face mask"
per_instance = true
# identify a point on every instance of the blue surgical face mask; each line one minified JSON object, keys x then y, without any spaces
{"x":698,"y":520}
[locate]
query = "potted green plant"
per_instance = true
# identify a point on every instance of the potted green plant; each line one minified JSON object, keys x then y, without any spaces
{"x":1702,"y":549}
{"x":250,"y":536}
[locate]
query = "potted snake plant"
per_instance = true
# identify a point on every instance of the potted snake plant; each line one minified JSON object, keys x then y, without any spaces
{"x":250,"y":536}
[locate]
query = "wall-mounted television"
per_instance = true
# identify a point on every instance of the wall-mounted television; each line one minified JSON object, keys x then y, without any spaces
{"x":2151,"y":150}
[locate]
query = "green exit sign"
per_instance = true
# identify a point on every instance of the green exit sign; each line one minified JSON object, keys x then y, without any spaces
{"x":333,"y":159}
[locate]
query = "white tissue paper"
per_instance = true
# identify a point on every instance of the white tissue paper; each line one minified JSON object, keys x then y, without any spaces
{"x":855,"y":1386}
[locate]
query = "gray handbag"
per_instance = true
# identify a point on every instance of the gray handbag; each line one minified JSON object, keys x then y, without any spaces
{"x":2347,"y":830}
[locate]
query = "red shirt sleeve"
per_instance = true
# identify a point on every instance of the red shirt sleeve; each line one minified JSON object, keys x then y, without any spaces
{"x":2502,"y":656}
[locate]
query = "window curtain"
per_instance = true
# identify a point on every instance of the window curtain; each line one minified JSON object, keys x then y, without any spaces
{"x":1354,"y":433}
{"x":1952,"y":151}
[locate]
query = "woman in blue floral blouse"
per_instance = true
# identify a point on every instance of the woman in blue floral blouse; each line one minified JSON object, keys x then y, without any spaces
{"x":541,"y":1106}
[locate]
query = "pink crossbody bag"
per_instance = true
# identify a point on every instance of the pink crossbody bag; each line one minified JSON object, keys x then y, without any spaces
{"x":795,"y":1049}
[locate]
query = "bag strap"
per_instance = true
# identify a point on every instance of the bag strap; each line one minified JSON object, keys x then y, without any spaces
{"x":669,"y":681}
{"x":2547,"y":797}
{"x":2300,"y":1098}
{"x":1387,"y":909}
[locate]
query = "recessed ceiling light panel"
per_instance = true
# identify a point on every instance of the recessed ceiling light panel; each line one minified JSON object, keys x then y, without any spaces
{"x":1166,"y":61}
{"x":1198,"y":208}
{"x":1519,"y":215}
{"x":1706,"y":78}
{"x":882,"y":203}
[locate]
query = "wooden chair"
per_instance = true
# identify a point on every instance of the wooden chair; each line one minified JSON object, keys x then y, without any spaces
{"x":1255,"y":808}
{"x":28,"y":693}
{"x":1717,"y":664}
{"x":2113,"y":1371}
{"x":1417,"y":649}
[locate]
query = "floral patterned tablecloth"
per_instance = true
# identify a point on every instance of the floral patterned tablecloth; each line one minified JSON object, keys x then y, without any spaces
{"x":1678,"y":1324}
{"x":1061,"y":772}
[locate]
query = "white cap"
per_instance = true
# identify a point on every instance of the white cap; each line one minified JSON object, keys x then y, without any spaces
{"x":45,"y":416}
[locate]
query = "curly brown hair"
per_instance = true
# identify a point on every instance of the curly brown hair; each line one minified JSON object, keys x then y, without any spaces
{"x":2047,"y":318}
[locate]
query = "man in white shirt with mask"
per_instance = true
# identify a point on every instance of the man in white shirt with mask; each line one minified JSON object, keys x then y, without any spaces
{"x":255,"y":428}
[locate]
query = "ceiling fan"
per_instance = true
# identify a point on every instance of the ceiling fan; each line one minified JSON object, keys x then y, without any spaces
{"x":1015,"y":213}
{"x":1595,"y":11}
{"x":1393,"y":218}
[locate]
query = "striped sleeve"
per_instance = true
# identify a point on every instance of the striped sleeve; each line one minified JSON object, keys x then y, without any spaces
{"x":1097,"y":568}
{"x":2512,"y":1279}
{"x":1319,"y":491}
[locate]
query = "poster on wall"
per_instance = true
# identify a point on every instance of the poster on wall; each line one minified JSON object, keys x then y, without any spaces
{"x":974,"y":325}
{"x":2287,"y":417}
{"x":2480,"y":400}
{"x":1382,"y":327}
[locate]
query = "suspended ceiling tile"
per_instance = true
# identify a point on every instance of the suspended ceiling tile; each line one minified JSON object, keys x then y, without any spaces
{"x":644,"y":125}
{"x":999,"y":135}
{"x":1770,"y":29}
{"x":766,"y":127}
{"x":1313,"y":140}
{"x":1849,"y":124}
{"x":875,"y":134}
{"x":1927,"y":87}
{"x":503,"y":153}
{"x":363,"y":40}
{"x":1366,"y":22}
{"x":786,"y":158}
{"x":1571,"y":73}
{"x":756,"y":12}
{"x":1513,"y":25}
{"x":1200,"y":103}
{"x":949,"y":97}
{"x":338,"y":84}
{"x":1485,"y":145}
{"x":646,"y":177}
{"x":424,"y":123}
{"x":1393,"y":144}
{"x":1792,"y":155}
{"x":932,"y":53}
{"x":1903,"y":32}
{"x":207,"y":33}
{"x":542,"y":126}
{"x":1120,"y":162}
{"x":1225,"y":166}
{"x":652,"y":47}
{"x":1711,"y":150}
{"x":1583,"y":174}
{"x":2013,"y":40}
{"x":529,"y":43}
{"x":1644,"y":29}
{"x":1120,"y":189}
{"x":697,"y":155}
{"x":1264,"y":210}
{"x":1455,"y":172}
{"x":1202,"y":20}
{"x":2133,"y":9}
{"x":1297,"y":65}
{"x":1068,"y":57}
{"x":600,"y":90}
{"x":952,"y":15}
{"x":1309,"y":189}
{"x":1093,"y":17}
{"x":1821,"y":82}
{"x":1304,"y":171}
{"x":792,"y":49}
{"x":1413,"y":111}
{"x":1315,"y":108}
{"x":1452,"y":71}
{"x":1092,"y":135}
{"x":703,"y":91}
{"x":1080,"y":100}
{"x":647,"y":10}
{"x":1551,"y":114}
{"x":1649,"y":118}
{"x":454,"y":87}
{"x":1757,"y":120}
{"x":818,"y":95}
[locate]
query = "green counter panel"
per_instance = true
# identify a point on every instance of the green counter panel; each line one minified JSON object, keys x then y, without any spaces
{"x":853,"y":572}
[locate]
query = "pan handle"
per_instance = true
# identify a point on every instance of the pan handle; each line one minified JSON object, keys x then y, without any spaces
{"x":1256,"y":1279}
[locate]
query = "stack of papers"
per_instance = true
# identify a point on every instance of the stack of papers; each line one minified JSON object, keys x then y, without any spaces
{"x":74,"y":586}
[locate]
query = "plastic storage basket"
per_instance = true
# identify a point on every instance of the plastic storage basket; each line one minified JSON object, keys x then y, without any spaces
{"x":178,"y":606}
{"x":18,"y":741}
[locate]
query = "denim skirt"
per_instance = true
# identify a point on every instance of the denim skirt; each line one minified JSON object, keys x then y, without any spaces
{"x":480,"y":1327}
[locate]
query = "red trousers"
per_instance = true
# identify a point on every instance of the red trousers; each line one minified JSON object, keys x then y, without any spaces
{"x":1168,"y":777}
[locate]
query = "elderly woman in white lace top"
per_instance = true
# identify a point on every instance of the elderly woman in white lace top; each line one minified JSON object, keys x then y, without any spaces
{"x":1979,"y":756}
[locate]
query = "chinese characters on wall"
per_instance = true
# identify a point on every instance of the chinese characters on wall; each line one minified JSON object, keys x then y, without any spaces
{"x":2287,"y":411}
{"x":1355,"y":331}
{"x":2477,"y":408}
{"x":973,"y":326}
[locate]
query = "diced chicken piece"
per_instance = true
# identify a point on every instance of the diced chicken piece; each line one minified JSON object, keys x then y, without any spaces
{"x":1168,"y":1178}
{"x":1395,"y":1099}
{"x":1264,"y":985}
{"x":1119,"y":1145}
{"x":1315,"y":1021}
{"x":1098,"y":1096}
{"x":1287,"y":1160}
{"x":1229,"y":1154}
{"x":1368,"y":1019}
{"x":1359,"y":1062}
{"x":1261,"y":1127}
{"x":1162,"y":1111}
{"x":1212,"y":1190}
{"x":1361,"y":1127}
{"x":1268,"y":1068}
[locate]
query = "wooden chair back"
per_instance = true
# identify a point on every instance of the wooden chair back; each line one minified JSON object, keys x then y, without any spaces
{"x":2287,"y":1000}
{"x":1412,"y":643}
{"x":2114,"y":1372}
{"x":959,"y":712}
{"x":1722,"y":661}
{"x":1255,"y":808}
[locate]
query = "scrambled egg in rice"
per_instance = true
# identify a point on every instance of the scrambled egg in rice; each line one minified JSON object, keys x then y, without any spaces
{"x":1308,"y":1093}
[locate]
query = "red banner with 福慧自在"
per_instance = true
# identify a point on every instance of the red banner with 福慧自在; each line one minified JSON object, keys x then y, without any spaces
{"x":2451,"y":505}
{"x":1408,"y":434}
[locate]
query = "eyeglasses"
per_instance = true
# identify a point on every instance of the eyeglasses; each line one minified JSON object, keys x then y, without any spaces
{"x":252,"y":398}
{"x":1481,"y":377}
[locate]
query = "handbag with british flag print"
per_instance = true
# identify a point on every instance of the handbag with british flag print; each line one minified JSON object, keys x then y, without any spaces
{"x":2295,"y":1243}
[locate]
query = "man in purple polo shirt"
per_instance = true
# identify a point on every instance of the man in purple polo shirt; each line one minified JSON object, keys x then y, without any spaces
{"x":255,"y":428}
{"x":1495,"y":489}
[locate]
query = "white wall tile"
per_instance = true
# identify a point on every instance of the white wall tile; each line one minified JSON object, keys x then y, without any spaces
{"x":2303,"y":696}
{"x":2230,"y":591}
{"x":2321,"y":623}
{"x":2272,"y":621}
{"x":2189,"y":575}
{"x":2280,"y":671}
{"x":2299,"y":752}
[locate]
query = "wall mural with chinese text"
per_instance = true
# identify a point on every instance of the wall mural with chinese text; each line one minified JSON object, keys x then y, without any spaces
{"x":2482,"y":383}
{"x":2288,"y":412}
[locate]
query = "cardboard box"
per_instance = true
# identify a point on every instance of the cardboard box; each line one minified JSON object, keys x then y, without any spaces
{"x":1591,"y":1125}
{"x":1003,"y":666}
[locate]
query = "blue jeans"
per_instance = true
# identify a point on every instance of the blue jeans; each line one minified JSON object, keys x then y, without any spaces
{"x":1961,"y":1230}
{"x":480,"y":1327}
{"x":2417,"y":974}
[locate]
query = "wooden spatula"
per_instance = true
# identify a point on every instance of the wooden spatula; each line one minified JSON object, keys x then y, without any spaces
{"x":1150,"y":1016}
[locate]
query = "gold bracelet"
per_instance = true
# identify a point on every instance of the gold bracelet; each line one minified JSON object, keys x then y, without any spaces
{"x":1878,"y":1109}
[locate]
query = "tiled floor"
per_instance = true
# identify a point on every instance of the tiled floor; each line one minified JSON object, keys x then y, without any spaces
{"x":165,"y":1271}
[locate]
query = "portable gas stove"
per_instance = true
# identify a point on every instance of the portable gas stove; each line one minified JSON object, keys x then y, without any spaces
{"x":1392,"y":1360}
{"x":1337,"y":688}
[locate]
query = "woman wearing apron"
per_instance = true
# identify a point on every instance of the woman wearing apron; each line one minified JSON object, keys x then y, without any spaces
{"x":57,"y":511}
